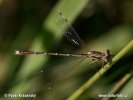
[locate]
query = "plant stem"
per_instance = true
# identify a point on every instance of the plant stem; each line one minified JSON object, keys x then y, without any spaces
{"x":120,"y":85}
{"x":94,"y":78}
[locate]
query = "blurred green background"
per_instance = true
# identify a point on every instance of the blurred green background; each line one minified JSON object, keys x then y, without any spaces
{"x":31,"y":25}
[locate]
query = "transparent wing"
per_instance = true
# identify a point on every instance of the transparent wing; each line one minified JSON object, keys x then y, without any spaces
{"x":68,"y":30}
{"x":58,"y":72}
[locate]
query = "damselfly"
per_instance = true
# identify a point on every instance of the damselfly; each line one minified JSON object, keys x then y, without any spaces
{"x":71,"y":34}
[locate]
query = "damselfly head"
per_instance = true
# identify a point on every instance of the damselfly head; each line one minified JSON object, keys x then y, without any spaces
{"x":107,"y":53}
{"x":107,"y":56}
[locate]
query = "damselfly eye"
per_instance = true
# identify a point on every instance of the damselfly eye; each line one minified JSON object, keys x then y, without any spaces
{"x":108,"y":51}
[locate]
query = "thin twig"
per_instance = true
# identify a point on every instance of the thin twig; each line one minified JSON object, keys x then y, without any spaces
{"x":94,"y":78}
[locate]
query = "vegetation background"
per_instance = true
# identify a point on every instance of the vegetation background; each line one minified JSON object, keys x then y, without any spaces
{"x":31,"y":25}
